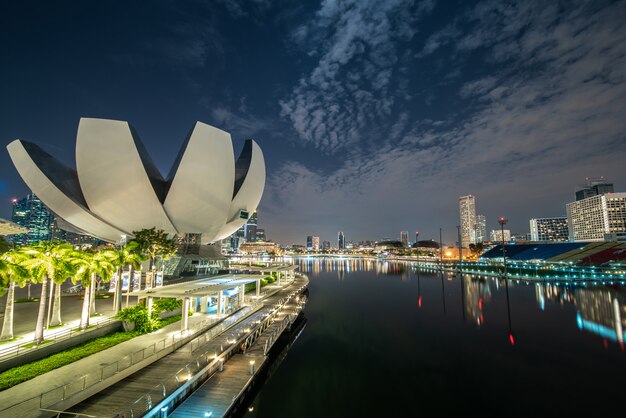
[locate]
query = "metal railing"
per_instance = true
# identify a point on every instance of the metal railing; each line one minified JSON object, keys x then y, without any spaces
{"x":50,"y":339}
{"x":208,"y":363}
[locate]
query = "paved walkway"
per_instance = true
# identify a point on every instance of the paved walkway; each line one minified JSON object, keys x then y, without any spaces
{"x":161,"y":376}
{"x":90,"y":370}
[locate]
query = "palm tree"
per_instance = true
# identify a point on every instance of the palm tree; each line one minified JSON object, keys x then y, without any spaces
{"x":68,"y":270}
{"x":130,"y":256}
{"x":90,"y":265}
{"x":11,"y":273}
{"x":45,"y":261}
{"x":155,"y":243}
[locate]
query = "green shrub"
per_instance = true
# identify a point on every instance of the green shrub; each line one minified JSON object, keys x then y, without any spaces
{"x":138,"y":314}
{"x":167,"y":304}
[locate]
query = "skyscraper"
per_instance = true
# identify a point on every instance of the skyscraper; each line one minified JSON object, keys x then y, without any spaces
{"x":316,"y":243}
{"x":251,"y":228}
{"x":591,"y":218}
{"x":309,"y":242}
{"x":260,"y":235}
{"x":549,"y":229}
{"x":480,"y":229}
{"x":467,"y":209}
{"x":341,"y":241}
{"x":496,"y":235}
{"x":404,"y":238}
{"x":594,"y":187}
{"x":31,"y":213}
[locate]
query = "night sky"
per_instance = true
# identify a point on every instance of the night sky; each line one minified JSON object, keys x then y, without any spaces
{"x":374,"y":116}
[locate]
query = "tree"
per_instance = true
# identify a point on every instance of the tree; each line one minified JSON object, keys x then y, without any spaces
{"x":130,"y":256}
{"x":88,"y":266}
{"x":46,"y":261}
{"x":155,"y":243}
{"x":11,"y":273}
{"x":4,"y":245}
{"x":69,"y":270}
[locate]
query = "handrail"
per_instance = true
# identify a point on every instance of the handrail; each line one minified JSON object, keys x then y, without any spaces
{"x":19,"y":349}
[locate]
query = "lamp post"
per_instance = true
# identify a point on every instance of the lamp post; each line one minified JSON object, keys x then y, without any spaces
{"x":502,"y":221}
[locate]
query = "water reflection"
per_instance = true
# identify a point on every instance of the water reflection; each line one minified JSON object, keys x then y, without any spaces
{"x":600,"y":310}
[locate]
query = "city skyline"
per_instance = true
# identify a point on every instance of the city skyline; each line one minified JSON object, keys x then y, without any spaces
{"x":403,"y":106}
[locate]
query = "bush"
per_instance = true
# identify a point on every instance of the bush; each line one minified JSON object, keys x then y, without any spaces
{"x":167,"y":304}
{"x":138,"y":314}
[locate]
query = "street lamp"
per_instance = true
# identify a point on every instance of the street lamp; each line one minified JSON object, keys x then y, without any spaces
{"x":502,"y":221}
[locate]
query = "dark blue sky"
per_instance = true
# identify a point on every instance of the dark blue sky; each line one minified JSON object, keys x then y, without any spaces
{"x":374,"y":116}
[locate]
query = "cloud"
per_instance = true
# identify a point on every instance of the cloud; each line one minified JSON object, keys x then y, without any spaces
{"x":352,"y":83}
{"x":237,"y":122}
{"x":546,"y":112}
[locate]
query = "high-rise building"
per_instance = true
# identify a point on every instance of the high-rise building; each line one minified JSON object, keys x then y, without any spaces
{"x":467,"y":210}
{"x":404,"y":238}
{"x":260,"y":235}
{"x":496,"y":235}
{"x":238,"y":238}
{"x":592,"y":218}
{"x":341,"y":241}
{"x":326,"y":245}
{"x":309,"y":242}
{"x":251,"y":228}
{"x":594,"y":187}
{"x":549,"y":229}
{"x":31,"y":213}
{"x":479,"y":233}
{"x":316,"y":243}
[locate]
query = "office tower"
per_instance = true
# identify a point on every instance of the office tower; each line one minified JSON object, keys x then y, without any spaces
{"x":31,"y":213}
{"x":404,"y":238}
{"x":326,"y":245}
{"x":480,"y":229}
{"x":309,"y":242}
{"x":549,"y":229}
{"x":592,"y":218}
{"x":316,"y":243}
{"x":341,"y":241}
{"x":467,"y":210}
{"x":496,"y":235}
{"x":260,"y":235}
{"x":594,"y":187}
{"x":238,"y":238}
{"x":250,"y":228}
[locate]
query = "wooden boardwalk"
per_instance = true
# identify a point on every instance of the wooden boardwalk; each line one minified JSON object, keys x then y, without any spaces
{"x":218,"y":393}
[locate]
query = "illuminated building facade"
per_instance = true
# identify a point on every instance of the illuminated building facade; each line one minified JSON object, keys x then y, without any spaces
{"x":496,"y":235}
{"x":592,"y":218}
{"x":31,"y":213}
{"x":404,"y":238}
{"x":549,"y":229}
{"x":341,"y":241}
{"x":467,"y":211}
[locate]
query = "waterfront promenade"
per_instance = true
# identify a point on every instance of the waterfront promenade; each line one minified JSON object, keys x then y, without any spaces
{"x":62,"y":387}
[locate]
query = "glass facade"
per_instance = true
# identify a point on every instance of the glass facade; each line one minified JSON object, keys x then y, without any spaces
{"x":31,"y":213}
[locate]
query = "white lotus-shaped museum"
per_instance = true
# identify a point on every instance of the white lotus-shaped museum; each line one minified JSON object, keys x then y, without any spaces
{"x":117,"y":189}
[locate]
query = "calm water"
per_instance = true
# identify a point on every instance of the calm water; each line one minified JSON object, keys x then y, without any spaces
{"x":383,"y":340}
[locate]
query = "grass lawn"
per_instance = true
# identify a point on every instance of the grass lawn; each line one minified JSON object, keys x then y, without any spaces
{"x":28,"y":371}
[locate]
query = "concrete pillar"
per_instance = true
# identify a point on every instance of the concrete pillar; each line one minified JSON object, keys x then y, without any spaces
{"x":258,"y":287}
{"x":242,"y":294}
{"x":219,"y":302}
{"x":184,"y":324}
{"x":204,"y":301}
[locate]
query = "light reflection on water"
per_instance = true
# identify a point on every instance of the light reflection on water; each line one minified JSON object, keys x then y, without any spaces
{"x":383,"y":338}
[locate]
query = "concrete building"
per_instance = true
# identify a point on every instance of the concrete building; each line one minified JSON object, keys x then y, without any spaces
{"x":31,"y":213}
{"x":549,"y":229}
{"x":467,"y":210}
{"x":496,"y":235}
{"x":116,"y":188}
{"x":592,"y":218}
{"x":594,"y":187}
{"x":404,"y":238}
{"x":479,"y":233}
{"x":316,"y":243}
